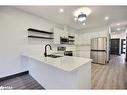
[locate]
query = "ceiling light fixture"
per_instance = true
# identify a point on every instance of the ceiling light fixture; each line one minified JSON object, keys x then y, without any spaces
{"x":81,"y":17}
{"x":118,"y":29}
{"x":118,"y":24}
{"x":81,"y":14}
{"x":106,"y":18}
{"x":61,"y":10}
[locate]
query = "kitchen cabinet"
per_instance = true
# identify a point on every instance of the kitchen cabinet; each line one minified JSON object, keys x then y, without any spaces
{"x":84,"y":54}
{"x":76,"y":39}
{"x":70,"y":72}
{"x":59,"y":33}
{"x":65,"y":34}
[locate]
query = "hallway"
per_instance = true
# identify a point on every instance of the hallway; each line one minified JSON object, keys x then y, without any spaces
{"x":110,"y":76}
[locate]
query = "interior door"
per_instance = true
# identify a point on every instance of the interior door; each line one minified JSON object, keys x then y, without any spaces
{"x":115,"y":46}
{"x":123,"y":45}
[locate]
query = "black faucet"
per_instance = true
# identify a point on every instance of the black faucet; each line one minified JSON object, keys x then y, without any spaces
{"x":45,"y":53}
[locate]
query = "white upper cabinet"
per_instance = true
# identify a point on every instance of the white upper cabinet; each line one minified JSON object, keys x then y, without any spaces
{"x":76,"y":39}
{"x":71,"y":33}
{"x":65,"y":34}
{"x":59,"y":33}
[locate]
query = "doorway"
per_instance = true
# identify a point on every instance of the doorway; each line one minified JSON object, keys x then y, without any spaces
{"x":115,"y":46}
{"x":123,"y":46}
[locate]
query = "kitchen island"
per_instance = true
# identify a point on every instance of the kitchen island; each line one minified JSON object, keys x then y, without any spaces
{"x":66,"y":72}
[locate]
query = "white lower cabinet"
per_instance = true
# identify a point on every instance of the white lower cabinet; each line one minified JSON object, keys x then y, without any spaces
{"x":84,"y":54}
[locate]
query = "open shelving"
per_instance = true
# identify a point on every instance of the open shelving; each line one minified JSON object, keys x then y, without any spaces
{"x":72,"y":40}
{"x":31,"y":36}
{"x":71,"y":36}
{"x":40,"y":31}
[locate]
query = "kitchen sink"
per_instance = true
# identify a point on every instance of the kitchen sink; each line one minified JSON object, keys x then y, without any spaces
{"x":53,"y":56}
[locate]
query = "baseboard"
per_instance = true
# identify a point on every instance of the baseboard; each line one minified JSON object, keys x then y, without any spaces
{"x":13,"y":76}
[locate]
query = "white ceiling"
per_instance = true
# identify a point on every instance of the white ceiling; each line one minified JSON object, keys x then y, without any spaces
{"x":95,"y":19}
{"x":122,"y":26}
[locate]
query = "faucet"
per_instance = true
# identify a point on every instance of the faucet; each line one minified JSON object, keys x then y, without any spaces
{"x":45,"y":53}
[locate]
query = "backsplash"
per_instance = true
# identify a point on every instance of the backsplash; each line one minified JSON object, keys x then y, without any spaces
{"x":61,"y":48}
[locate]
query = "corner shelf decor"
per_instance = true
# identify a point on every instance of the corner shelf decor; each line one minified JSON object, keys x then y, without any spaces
{"x":39,"y":31}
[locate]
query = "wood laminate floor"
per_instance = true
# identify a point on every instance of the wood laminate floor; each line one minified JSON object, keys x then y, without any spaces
{"x":22,"y":82}
{"x":110,"y":76}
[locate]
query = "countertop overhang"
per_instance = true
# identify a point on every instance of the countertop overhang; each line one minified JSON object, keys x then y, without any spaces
{"x":66,"y":63}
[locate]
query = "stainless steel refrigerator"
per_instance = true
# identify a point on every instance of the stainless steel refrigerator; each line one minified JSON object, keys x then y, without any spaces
{"x":98,"y":50}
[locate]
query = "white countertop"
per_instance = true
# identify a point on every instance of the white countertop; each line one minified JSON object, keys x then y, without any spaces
{"x":66,"y":63}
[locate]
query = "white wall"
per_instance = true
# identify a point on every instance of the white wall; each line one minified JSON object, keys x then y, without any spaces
{"x":86,"y":36}
{"x":13,"y":38}
{"x":121,"y":35}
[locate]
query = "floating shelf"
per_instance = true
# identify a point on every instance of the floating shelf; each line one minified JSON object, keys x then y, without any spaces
{"x":31,"y":36}
{"x":71,"y":36}
{"x":40,"y":31}
{"x":72,"y":40}
{"x":82,"y":44}
{"x":71,"y":44}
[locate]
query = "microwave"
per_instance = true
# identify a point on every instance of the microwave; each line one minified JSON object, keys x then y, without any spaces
{"x":64,"y":40}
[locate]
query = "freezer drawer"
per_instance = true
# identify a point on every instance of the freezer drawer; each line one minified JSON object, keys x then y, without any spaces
{"x":101,"y":57}
{"x":93,"y":56}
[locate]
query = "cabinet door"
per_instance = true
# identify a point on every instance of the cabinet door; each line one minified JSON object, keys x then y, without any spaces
{"x":66,"y":34}
{"x":85,"y":54}
{"x":76,"y":53}
{"x":76,"y":39}
{"x":57,"y":34}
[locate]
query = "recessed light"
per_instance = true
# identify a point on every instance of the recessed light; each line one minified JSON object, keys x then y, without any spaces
{"x":84,"y":24}
{"x":61,"y":10}
{"x":75,"y":18}
{"x":106,"y":18}
{"x":118,"y":29}
{"x":118,"y":24}
{"x":114,"y":32}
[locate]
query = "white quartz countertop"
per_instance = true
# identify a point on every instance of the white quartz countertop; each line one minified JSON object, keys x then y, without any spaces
{"x":66,"y":63}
